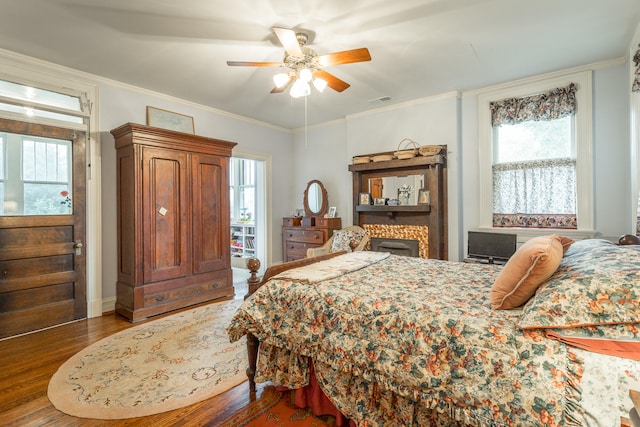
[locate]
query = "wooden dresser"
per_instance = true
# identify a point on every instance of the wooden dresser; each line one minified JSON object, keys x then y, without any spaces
{"x":297,"y":238}
{"x":173,"y":220}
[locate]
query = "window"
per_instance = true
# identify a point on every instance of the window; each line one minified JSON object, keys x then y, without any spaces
{"x":46,"y":176}
{"x":35,"y":176}
{"x":242,"y":191}
{"x":34,"y":102}
{"x":535,"y":163}
{"x":36,"y":172}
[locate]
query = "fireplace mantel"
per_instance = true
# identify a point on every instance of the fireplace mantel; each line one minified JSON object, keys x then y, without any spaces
{"x":432,"y":215}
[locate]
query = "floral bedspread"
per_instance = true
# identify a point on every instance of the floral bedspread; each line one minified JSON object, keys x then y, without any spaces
{"x":409,"y":341}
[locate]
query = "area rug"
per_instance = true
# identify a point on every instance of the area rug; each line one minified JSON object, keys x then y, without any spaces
{"x":275,"y":408}
{"x":154,"y":367}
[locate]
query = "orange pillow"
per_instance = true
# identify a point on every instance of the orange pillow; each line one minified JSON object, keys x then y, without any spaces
{"x":533,"y":263}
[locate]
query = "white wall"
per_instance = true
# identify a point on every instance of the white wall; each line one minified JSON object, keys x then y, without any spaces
{"x":327,"y":151}
{"x":120,"y":104}
{"x":322,"y":156}
{"x":611,"y":140}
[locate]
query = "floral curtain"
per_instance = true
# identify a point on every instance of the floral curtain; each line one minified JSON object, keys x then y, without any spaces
{"x":540,"y":193}
{"x":635,"y":87}
{"x":555,"y":104}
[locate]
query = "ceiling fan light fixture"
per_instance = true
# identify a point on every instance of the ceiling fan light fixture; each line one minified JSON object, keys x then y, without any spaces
{"x":304,"y":63}
{"x":281,"y":79}
{"x":319,"y":84}
{"x":300,"y":88}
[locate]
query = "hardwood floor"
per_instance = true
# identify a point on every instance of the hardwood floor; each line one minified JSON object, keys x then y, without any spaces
{"x":27,"y":363}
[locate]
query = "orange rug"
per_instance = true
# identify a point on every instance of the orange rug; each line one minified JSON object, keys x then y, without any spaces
{"x":275,"y":408}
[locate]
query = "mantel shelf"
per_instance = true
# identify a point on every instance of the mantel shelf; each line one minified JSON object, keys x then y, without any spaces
{"x":418,"y":161}
{"x":388,"y":208}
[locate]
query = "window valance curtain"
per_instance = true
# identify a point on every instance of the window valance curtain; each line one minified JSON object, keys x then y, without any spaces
{"x":635,"y":87}
{"x":555,"y":104}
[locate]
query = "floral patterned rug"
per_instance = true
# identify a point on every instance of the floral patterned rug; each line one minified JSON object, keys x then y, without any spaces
{"x":155,"y":367}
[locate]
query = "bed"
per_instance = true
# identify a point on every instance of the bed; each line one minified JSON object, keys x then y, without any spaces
{"x":395,"y":340}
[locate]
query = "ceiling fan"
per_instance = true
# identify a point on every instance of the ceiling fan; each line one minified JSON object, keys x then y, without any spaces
{"x":305,"y":65}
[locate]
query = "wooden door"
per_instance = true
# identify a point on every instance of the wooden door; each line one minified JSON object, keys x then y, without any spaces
{"x":42,"y":229}
{"x":165,"y":211}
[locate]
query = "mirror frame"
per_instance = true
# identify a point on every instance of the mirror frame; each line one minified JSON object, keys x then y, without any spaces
{"x":325,"y":200}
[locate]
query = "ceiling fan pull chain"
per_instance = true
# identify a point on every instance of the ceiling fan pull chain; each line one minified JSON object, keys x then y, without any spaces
{"x":306,"y":142}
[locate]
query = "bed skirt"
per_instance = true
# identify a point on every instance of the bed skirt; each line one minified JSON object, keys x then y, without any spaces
{"x":311,"y":396}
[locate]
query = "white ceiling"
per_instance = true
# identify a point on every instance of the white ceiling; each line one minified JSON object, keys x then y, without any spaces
{"x":418,"y":47}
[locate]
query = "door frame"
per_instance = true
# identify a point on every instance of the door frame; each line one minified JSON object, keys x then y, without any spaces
{"x":32,"y":72}
{"x":263,"y":191}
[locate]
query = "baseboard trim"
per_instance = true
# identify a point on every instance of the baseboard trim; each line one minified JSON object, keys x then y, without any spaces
{"x":108,"y":304}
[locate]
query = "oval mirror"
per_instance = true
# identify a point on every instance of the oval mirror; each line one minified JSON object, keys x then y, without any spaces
{"x":315,"y":199}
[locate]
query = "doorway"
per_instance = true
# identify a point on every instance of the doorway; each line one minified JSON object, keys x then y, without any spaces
{"x":42,"y":226}
{"x":248,"y":203}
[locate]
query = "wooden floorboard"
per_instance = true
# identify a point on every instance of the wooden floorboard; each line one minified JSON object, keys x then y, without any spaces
{"x":27,"y":363}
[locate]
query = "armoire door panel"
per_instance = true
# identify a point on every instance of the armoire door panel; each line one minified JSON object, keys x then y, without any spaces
{"x":210,"y":222}
{"x":166,"y":210}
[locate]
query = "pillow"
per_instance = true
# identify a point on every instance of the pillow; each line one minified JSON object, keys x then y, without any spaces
{"x":532,"y":263}
{"x":342,"y":238}
{"x":597,"y":283}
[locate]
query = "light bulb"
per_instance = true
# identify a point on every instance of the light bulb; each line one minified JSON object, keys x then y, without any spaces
{"x":300,"y":88}
{"x":305,"y":75}
{"x":319,"y":84}
{"x":281,"y":79}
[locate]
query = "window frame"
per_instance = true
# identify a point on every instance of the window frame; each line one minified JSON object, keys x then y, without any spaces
{"x":583,"y":145}
{"x":237,"y":185}
{"x":68,"y":184}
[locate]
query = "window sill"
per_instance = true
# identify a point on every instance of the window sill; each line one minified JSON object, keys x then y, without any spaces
{"x":525,"y":234}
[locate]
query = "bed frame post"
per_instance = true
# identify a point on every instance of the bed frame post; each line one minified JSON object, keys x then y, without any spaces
{"x":253,"y":264}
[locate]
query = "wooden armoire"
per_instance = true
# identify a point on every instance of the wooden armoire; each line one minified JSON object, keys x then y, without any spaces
{"x":173,"y":220}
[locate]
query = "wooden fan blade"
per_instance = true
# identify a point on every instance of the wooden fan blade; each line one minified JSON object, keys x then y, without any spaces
{"x":253,"y":64}
{"x":332,"y":81}
{"x":289,"y":41}
{"x":277,"y":89}
{"x":345,"y":57}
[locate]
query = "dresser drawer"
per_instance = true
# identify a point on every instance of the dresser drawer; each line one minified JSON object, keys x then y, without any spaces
{"x":293,"y":221}
{"x":333,"y":223}
{"x":304,"y":235}
{"x":298,"y":248}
